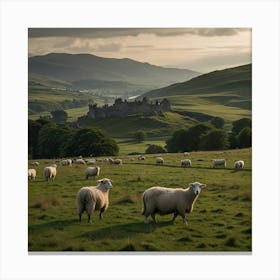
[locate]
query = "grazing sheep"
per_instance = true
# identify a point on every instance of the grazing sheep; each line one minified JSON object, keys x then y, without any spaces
{"x":187,"y":154}
{"x":218,"y":162}
{"x":80,"y":161}
{"x":167,"y":200}
{"x":159,"y":160}
{"x":239,"y":164}
{"x":66,"y":162}
{"x":92,"y":171}
{"x":94,"y":198}
{"x":49,"y":173}
{"x":35,"y":163}
{"x":186,"y":163}
{"x":141,"y":157}
{"x":115,"y":161}
{"x":31,"y":174}
{"x":90,"y":161}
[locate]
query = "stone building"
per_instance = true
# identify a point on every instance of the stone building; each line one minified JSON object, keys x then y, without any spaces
{"x":124,"y":108}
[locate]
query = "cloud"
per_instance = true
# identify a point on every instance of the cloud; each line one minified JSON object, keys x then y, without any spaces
{"x":123,"y":32}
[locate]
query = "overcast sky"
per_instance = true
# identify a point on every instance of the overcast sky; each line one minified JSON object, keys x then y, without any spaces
{"x":200,"y":49}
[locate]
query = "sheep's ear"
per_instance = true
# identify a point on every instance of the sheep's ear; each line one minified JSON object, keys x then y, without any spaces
{"x":203,"y":186}
{"x":191,"y":185}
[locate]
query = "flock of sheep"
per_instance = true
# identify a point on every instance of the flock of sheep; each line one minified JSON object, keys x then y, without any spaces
{"x":156,"y":200}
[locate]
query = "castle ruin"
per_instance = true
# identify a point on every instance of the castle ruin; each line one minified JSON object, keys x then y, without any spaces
{"x":124,"y":108}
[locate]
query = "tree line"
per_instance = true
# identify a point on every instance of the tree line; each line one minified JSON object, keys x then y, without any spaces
{"x":52,"y":140}
{"x":212,"y":136}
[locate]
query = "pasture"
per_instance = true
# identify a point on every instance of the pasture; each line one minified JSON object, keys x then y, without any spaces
{"x":221,"y":220}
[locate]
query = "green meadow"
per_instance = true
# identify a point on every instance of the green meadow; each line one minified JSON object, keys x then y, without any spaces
{"x":220,"y":222}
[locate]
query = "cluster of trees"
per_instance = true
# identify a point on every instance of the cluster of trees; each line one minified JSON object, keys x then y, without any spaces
{"x":51,"y":140}
{"x":211,"y":136}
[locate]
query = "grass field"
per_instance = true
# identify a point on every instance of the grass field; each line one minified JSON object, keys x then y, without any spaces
{"x":221,"y":220}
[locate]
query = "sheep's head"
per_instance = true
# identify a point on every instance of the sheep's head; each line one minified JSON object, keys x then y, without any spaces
{"x":106,"y":183}
{"x":196,"y":187}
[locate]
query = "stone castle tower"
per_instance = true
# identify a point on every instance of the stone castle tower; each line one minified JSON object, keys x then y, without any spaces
{"x":124,"y":108}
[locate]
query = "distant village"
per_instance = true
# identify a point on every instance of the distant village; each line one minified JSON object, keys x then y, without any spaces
{"x":124,"y":108}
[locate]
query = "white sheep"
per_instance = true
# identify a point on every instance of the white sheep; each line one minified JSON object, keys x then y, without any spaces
{"x":50,"y":173}
{"x":35,"y":163}
{"x":92,"y":171}
{"x":187,"y":154}
{"x":218,"y":162}
{"x":94,"y":198}
{"x":239,"y":164}
{"x":115,"y":161}
{"x":167,"y":200}
{"x":186,"y":163}
{"x":90,"y":161}
{"x":141,"y":157}
{"x":159,"y":160}
{"x":80,"y":161}
{"x":66,"y":162}
{"x":32,"y":174}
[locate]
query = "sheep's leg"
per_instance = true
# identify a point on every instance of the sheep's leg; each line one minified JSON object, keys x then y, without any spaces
{"x":154,"y":217}
{"x":89,"y":218}
{"x":80,"y":217}
{"x":174,"y":217}
{"x":145,"y":220}
{"x":101,"y":214}
{"x":184,"y":219}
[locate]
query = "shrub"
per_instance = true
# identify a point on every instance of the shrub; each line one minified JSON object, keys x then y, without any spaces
{"x":155,"y":149}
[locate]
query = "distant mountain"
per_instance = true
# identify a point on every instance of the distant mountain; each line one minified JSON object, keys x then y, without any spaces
{"x":86,"y":67}
{"x":229,"y":87}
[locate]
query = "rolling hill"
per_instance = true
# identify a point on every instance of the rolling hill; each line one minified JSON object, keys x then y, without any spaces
{"x":226,"y":93}
{"x":79,"y":67}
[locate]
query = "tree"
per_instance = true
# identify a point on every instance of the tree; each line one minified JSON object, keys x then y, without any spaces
{"x":140,"y":136}
{"x":216,"y":139}
{"x":155,"y":149}
{"x":244,"y":138}
{"x":59,"y":116}
{"x":91,"y":141}
{"x":238,"y":125}
{"x":33,"y":134}
{"x":218,"y":122}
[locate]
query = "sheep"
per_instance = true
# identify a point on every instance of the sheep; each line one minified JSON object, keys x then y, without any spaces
{"x":54,"y":165}
{"x":32,"y":174}
{"x":218,"y":162}
{"x":90,"y":161}
{"x":35,"y":163}
{"x":66,"y":162}
{"x":186,"y":163}
{"x":239,"y":164}
{"x":115,"y":161}
{"x":159,"y":160}
{"x":94,"y":198}
{"x":167,"y":200}
{"x":92,"y":171}
{"x":80,"y":161}
{"x":141,"y":157}
{"x":49,"y":173}
{"x":187,"y":154}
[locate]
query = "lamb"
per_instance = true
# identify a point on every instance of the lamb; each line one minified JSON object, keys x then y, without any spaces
{"x":32,"y":174}
{"x":94,"y":198}
{"x":218,"y":162}
{"x":159,"y":160}
{"x":167,"y":200}
{"x":115,"y":161}
{"x":92,"y":171}
{"x":186,"y":163}
{"x":239,"y":164}
{"x":50,"y":173}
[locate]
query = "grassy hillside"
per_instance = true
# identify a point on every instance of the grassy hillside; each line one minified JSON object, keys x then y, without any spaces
{"x":225,"y":93}
{"x":221,"y":219}
{"x":163,"y":124}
